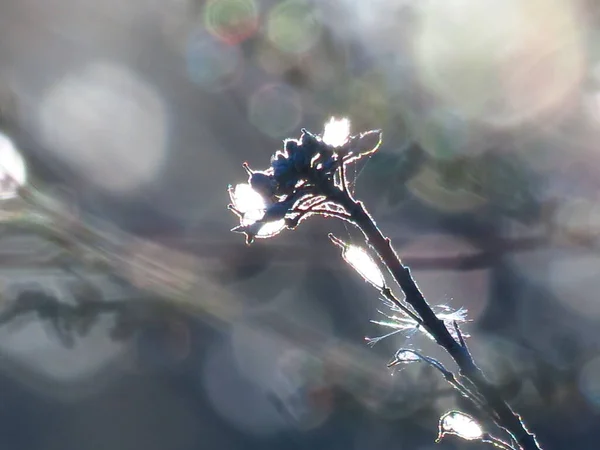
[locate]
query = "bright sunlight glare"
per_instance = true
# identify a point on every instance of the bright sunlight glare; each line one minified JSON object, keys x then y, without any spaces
{"x":251,"y":204}
{"x":360,"y":260}
{"x":336,"y":132}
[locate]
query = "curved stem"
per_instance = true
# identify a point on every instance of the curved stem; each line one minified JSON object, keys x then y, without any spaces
{"x":343,"y":179}
{"x":506,"y":417}
{"x":488,"y":438}
{"x":335,"y":214}
{"x":387,"y":293}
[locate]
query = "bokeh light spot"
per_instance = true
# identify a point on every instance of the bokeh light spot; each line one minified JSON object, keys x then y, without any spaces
{"x":294,"y":26}
{"x":211,"y":63}
{"x":526,"y":61}
{"x":368,"y":101}
{"x":240,"y":402}
{"x":107,"y":124}
{"x":444,"y":134}
{"x":301,"y":388}
{"x":276,"y":110}
{"x":232,"y":21}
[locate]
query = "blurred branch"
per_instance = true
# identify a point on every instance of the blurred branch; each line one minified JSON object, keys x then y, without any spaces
{"x":71,"y":320}
{"x":209,"y":251}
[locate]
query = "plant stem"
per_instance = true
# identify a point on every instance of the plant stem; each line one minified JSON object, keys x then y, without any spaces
{"x":504,"y":416}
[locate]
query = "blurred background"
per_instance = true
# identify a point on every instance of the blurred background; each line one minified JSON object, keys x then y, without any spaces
{"x":136,"y":115}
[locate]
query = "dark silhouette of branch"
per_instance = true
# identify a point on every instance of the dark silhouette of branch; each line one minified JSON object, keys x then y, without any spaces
{"x":506,"y":417}
{"x":313,"y":167}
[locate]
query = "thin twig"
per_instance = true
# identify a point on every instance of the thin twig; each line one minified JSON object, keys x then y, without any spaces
{"x":461,"y":339}
{"x":505,"y":416}
{"x":488,"y":438}
{"x":387,"y":293}
{"x":449,"y":377}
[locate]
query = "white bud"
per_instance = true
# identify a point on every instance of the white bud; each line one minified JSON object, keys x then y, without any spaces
{"x":404,"y":356}
{"x":362,"y":262}
{"x":248,"y":202}
{"x":459,"y":424}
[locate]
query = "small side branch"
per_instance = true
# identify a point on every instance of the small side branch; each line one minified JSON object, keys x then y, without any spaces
{"x":504,"y":416}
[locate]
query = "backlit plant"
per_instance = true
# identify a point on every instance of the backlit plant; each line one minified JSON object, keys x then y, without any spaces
{"x":308,"y":177}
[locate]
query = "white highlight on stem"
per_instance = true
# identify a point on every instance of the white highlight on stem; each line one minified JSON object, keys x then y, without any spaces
{"x":248,"y":202}
{"x":459,"y":424}
{"x":405,"y":356}
{"x":271,"y":228}
{"x":336,"y":132}
{"x":362,"y":262}
{"x":253,"y":206}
